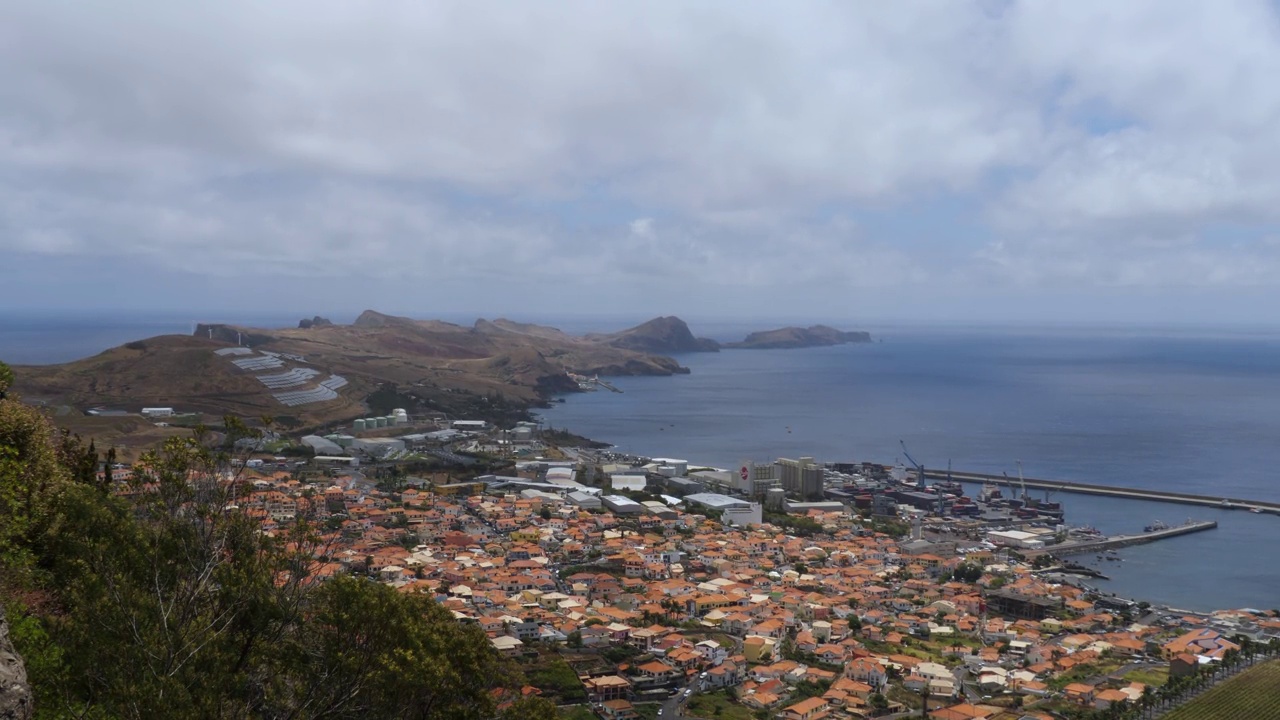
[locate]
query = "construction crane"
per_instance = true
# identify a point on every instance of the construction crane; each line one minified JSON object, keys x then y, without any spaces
{"x":919,"y":468}
{"x":1026,"y":499}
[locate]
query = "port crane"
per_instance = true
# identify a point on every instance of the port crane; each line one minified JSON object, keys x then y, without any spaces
{"x":1026,"y":499}
{"x":919,"y":468}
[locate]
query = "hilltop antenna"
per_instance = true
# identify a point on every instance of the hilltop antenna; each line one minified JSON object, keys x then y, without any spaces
{"x":238,"y":337}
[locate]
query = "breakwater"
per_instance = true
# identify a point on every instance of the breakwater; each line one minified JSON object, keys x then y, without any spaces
{"x":1225,"y":503}
{"x":1119,"y":541}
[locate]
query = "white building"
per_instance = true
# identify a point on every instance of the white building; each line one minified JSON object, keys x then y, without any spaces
{"x":733,"y":511}
{"x":1015,"y":538}
{"x":622,"y":505}
{"x":157,"y":412}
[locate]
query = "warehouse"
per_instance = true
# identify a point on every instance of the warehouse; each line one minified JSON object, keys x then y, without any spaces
{"x":1015,"y":538}
{"x":621,"y":505}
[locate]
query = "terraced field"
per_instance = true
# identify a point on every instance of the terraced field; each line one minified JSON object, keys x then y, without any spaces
{"x":1252,"y":695}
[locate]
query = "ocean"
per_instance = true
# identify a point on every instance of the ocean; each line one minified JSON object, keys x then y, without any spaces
{"x":1179,"y":409}
{"x":1183,"y":410}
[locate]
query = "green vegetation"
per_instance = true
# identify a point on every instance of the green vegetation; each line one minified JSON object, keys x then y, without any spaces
{"x":647,"y":711}
{"x":1154,"y":677}
{"x":1252,"y":695}
{"x":552,"y":675}
{"x":1083,"y":672}
{"x":168,"y":606}
{"x":576,"y":712}
{"x":798,"y":525}
{"x":716,"y":706}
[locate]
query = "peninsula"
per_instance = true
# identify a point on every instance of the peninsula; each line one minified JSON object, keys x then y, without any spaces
{"x":320,"y":373}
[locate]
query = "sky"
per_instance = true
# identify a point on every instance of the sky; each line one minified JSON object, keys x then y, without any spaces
{"x":947,"y":161}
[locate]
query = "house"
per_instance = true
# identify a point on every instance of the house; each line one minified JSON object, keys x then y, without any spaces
{"x":657,"y":672}
{"x":618,"y":710}
{"x":758,"y":648}
{"x":607,"y":687}
{"x":1202,"y":641}
{"x":868,"y":671}
{"x":1106,"y":698}
{"x":1183,"y":665}
{"x":1079,"y":693}
{"x":506,"y":645}
{"x":812,"y":709}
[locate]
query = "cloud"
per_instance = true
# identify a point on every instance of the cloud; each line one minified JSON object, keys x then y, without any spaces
{"x":743,"y":146}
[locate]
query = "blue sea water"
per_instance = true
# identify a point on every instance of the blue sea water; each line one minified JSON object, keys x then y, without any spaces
{"x":1186,"y":411}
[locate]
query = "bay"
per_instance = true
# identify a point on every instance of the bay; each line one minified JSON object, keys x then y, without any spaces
{"x":1182,"y":410}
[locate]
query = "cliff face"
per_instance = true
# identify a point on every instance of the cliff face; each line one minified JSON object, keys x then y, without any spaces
{"x":16,"y":702}
{"x":797,"y":337}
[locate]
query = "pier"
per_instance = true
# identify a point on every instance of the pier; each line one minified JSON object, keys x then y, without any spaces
{"x":1223,"y":503}
{"x":1119,"y":541}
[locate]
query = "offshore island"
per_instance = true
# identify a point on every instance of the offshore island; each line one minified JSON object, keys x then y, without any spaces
{"x":615,"y":586}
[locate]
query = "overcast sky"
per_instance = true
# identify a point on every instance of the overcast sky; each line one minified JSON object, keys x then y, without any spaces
{"x":943,"y":160}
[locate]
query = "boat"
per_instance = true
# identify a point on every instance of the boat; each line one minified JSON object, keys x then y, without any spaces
{"x":1255,"y":510}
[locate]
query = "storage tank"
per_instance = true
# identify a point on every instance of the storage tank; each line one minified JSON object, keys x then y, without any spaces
{"x":359,"y":425}
{"x":380,"y":422}
{"x":344,"y":440}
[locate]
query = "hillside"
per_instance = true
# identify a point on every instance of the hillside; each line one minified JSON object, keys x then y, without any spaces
{"x":798,"y":337}
{"x":323,"y":373}
{"x":660,"y":335}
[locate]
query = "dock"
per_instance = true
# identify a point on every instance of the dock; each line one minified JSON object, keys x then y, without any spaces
{"x":1222,"y":503}
{"x":1119,"y":541}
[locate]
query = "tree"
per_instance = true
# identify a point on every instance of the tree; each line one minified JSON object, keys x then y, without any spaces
{"x":6,"y":379}
{"x":172,"y":605}
{"x":574,"y":639}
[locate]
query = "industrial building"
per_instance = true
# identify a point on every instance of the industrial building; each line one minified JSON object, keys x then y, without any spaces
{"x":715,"y":478}
{"x":662,"y":510}
{"x":378,"y":447}
{"x":621,"y":505}
{"x":629,"y":481}
{"x":684,"y":486}
{"x":1015,"y":538}
{"x":670,"y":467}
{"x":757,"y":479}
{"x":584,"y":500}
{"x":752,"y":514}
{"x":801,"y":477}
{"x":322,"y":446}
{"x":801,"y":508}
{"x":733,"y":511}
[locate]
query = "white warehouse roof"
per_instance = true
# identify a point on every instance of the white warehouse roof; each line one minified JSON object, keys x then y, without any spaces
{"x":716,"y":500}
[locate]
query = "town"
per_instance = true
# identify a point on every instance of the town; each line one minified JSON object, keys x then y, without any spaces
{"x":631,"y":587}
